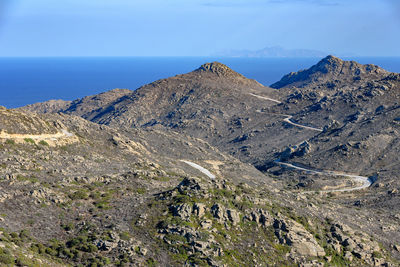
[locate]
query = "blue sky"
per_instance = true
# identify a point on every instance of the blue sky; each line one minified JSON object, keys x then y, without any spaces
{"x":196,"y":27}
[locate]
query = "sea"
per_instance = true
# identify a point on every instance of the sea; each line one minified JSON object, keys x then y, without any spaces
{"x":29,"y":80}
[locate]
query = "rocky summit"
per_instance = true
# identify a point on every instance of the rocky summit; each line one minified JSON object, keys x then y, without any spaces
{"x":208,"y":168}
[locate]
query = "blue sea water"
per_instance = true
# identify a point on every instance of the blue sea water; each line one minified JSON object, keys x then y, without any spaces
{"x":29,"y":80}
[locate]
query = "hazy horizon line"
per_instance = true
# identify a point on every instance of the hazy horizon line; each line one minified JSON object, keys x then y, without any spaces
{"x":180,"y":56}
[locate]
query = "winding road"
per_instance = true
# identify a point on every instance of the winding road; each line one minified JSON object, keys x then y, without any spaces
{"x":266,"y":98}
{"x":364,"y":181}
{"x":44,"y":137}
{"x":288,"y":117}
{"x":203,"y":170}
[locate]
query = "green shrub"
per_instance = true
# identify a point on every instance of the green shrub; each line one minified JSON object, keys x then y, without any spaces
{"x":151,"y":262}
{"x":51,"y":251}
{"x":14,"y":235}
{"x":10,"y":142}
{"x":88,"y":248}
{"x":140,"y":190}
{"x":68,"y":227}
{"x":38,"y":248}
{"x":29,"y":140}
{"x":80,"y":194}
{"x":102,"y":204}
{"x":43,"y":143}
{"x":6,"y":257}
{"x":24,"y":235}
{"x":125,"y":236}
{"x":23,"y":261}
{"x":23,"y":179}
{"x":162,"y":178}
{"x":376,"y":254}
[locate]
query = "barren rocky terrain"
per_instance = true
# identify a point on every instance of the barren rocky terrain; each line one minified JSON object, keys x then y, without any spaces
{"x":208,"y":168}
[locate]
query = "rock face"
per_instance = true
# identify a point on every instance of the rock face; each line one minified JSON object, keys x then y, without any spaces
{"x":235,"y":220}
{"x":301,"y":241}
{"x":355,"y":245}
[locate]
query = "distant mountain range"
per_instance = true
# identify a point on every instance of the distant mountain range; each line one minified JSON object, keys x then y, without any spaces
{"x":274,"y":51}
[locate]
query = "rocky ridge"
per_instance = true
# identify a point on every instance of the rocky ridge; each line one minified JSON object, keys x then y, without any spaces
{"x":329,"y":71}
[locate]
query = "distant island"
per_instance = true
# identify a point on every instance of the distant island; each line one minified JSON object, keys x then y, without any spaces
{"x":274,"y":51}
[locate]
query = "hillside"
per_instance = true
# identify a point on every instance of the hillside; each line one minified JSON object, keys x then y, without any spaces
{"x":75,"y":204}
{"x":334,"y":121}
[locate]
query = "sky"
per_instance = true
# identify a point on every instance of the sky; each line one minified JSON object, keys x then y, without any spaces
{"x":41,"y":28}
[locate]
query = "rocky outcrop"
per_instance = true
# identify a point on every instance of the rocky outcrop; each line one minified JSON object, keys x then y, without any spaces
{"x":259,"y":216}
{"x":295,"y":235}
{"x":296,"y":151}
{"x":218,"y":69}
{"x":355,"y":245}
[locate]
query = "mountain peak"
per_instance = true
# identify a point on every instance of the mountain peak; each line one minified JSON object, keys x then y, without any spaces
{"x":217,"y":68}
{"x":330,"y":60}
{"x":330,"y":69}
{"x":328,"y":63}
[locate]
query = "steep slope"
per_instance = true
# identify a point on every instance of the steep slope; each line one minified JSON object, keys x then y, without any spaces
{"x":355,"y":112}
{"x":361,"y":132}
{"x":169,"y":102}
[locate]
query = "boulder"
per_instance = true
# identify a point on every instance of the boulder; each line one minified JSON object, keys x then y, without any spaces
{"x":199,"y":209}
{"x":295,"y":235}
{"x":218,"y":212}
{"x":206,"y":224}
{"x":233,"y":216}
{"x":349,"y":244}
{"x":105,"y":245}
{"x":348,"y":256}
{"x":182,"y":210}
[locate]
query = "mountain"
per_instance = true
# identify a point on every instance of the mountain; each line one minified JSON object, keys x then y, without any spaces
{"x":220,"y":106}
{"x":220,"y":170}
{"x":274,"y":51}
{"x":213,"y":103}
{"x":359,"y":106}
{"x":331,"y":70}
